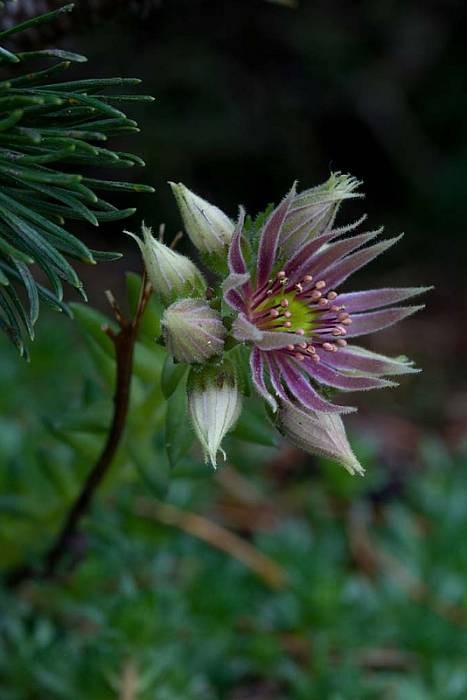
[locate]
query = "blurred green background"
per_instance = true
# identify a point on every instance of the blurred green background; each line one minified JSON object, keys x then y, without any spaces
{"x":280,"y":576}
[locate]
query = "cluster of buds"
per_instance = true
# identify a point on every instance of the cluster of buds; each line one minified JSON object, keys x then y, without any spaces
{"x":193,"y":331}
{"x":284,"y":306}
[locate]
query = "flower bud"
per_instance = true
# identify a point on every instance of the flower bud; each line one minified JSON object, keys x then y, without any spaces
{"x":171,"y":274}
{"x":318,"y":433}
{"x":313,"y":211}
{"x":214,"y":402}
{"x":208,"y":227}
{"x":193,"y":331}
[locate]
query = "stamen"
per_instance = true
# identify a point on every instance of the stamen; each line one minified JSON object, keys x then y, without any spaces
{"x":320,"y":285}
{"x":341,"y":342}
{"x":316,"y":295}
{"x":332,"y":296}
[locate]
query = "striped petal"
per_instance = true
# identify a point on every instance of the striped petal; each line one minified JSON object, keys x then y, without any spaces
{"x":338,"y":273}
{"x":375,"y":298}
{"x":274,"y":374}
{"x":257,"y":373}
{"x":232,"y":288}
{"x":360,"y":359}
{"x":303,"y":392}
{"x":236,"y":260}
{"x":327,"y":375}
{"x":270,"y":239}
{"x":377,"y":320}
{"x":323,"y":260}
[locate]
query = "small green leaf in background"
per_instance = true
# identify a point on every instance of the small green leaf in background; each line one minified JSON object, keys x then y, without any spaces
{"x":172,"y":374}
{"x":178,"y":434}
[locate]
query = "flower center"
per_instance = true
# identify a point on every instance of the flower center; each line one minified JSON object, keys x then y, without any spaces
{"x":304,"y":308}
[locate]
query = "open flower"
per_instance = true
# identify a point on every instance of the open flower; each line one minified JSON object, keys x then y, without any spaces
{"x":288,"y":308}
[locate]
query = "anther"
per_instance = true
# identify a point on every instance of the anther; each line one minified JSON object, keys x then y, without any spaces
{"x":341,"y":342}
{"x":287,"y":314}
{"x":320,"y":285}
{"x":281,"y":274}
{"x":285,"y":303}
{"x":342,"y":316}
{"x":299,"y":331}
{"x":291,"y":348}
{"x":287,"y":324}
{"x":311,"y":349}
{"x":335,"y":308}
{"x":332,"y":296}
{"x":274,"y":313}
{"x":299,"y":356}
{"x":299,"y":286}
{"x":327,"y":346}
{"x":316,"y":295}
{"x":302,"y":345}
{"x":323,"y":302}
{"x":308,"y":278}
{"x":347,"y":321}
{"x":315,"y":357}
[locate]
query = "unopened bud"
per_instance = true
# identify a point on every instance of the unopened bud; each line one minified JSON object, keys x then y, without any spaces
{"x":214,"y":402}
{"x":318,"y":433}
{"x":209,"y":229}
{"x":193,"y":331}
{"x":171,"y":274}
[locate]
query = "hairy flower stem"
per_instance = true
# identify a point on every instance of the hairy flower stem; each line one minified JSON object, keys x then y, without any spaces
{"x":68,"y":538}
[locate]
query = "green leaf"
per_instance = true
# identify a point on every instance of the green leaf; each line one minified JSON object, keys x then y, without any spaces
{"x":178,"y":434}
{"x":172,"y":375}
{"x":254,"y":426}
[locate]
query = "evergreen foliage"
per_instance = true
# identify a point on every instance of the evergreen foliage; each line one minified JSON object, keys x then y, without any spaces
{"x":52,"y":134}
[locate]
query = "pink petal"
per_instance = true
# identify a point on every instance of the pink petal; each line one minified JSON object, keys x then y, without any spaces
{"x":236,"y":259}
{"x":339,"y":272}
{"x":377,"y":320}
{"x":274,"y":375}
{"x":257,"y":372}
{"x":322,"y":261}
{"x":355,"y":358}
{"x":270,"y":238}
{"x":327,"y":375}
{"x":375,"y":298}
{"x":303,"y":392}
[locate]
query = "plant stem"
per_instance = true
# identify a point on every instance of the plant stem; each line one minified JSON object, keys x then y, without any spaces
{"x":124,"y":342}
